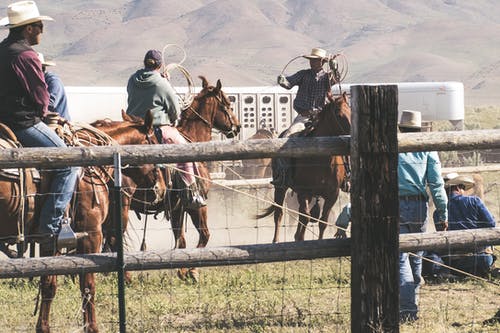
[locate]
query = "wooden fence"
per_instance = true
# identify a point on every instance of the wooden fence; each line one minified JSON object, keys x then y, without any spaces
{"x":373,"y":145}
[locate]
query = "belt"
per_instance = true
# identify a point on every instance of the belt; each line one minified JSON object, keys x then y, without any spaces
{"x":412,"y":197}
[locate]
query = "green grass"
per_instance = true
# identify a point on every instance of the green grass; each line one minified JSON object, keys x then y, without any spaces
{"x":302,"y":296}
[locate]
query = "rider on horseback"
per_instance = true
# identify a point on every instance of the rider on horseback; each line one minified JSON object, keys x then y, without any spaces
{"x":24,"y":101}
{"x":147,"y":90}
{"x":314,"y":90}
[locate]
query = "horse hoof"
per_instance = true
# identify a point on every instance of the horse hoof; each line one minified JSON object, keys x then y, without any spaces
{"x":194,"y":275}
{"x":182,"y":274}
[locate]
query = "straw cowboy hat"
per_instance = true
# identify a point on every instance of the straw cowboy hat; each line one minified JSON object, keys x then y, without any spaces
{"x":44,"y":61}
{"x":455,"y":179}
{"x":410,"y":119}
{"x":22,"y":13}
{"x":316,"y":53}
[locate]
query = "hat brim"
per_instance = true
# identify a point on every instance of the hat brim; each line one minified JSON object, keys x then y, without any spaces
{"x":409,"y":126}
{"x":4,"y":22}
{"x":466,"y":182}
{"x":308,"y":56}
{"x":48,"y":63}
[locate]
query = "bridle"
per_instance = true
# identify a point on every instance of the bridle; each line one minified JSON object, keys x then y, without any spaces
{"x":223,"y":107}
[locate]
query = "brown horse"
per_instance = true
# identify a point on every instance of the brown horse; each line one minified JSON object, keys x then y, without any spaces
{"x":261,"y":167}
{"x":318,"y":176}
{"x":210,"y":109}
{"x":91,"y":213}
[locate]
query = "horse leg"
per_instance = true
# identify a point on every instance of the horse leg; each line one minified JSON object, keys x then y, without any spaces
{"x":177,"y":224}
{"x":87,"y":283}
{"x":327,"y":208}
{"x":279,"y":199}
{"x":200,"y":218}
{"x":304,"y":211}
{"x":48,"y":288}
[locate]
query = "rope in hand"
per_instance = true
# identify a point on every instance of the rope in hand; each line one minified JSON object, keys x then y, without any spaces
{"x":337,"y":63}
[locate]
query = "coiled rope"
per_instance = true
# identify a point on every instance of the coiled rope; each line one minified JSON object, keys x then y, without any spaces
{"x":186,"y":99}
{"x":337,"y":64}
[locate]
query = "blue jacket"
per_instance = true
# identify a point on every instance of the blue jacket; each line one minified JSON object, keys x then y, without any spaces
{"x":58,"y":101}
{"x":468,"y":212}
{"x":417,"y":170}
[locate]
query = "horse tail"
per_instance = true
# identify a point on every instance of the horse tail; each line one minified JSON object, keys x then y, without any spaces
{"x":268,"y":211}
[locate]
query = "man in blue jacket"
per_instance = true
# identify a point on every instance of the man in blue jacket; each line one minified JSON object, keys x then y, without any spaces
{"x":58,"y":102}
{"x":416,"y":172}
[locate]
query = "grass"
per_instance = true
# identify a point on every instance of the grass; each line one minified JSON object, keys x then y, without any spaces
{"x":302,"y":296}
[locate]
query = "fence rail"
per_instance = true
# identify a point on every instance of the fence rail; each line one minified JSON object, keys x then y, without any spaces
{"x":235,"y":255}
{"x":235,"y":150}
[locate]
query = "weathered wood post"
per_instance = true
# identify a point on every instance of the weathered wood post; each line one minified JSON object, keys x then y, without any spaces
{"x":375,"y":210}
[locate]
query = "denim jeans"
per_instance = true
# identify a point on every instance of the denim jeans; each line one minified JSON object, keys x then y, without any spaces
{"x":63,"y":179}
{"x":412,"y":219}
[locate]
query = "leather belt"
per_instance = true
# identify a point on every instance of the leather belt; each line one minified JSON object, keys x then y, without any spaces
{"x":412,"y":198}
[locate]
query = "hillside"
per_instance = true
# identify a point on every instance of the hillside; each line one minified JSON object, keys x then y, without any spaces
{"x":247,"y":43}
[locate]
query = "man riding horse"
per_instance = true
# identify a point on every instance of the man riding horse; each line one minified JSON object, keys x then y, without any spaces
{"x":24,"y":101}
{"x":314,"y":91}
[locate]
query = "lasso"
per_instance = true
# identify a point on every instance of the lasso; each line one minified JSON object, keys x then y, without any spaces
{"x":185,"y":100}
{"x":337,"y":63}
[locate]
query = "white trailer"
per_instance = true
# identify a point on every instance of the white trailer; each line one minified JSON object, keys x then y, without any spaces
{"x":272,"y":107}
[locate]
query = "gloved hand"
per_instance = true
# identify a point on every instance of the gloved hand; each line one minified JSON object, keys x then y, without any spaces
{"x":281,"y":79}
{"x":441,"y":226}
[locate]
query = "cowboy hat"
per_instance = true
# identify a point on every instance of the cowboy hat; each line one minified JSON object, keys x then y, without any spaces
{"x":22,"y":13}
{"x":44,"y":61}
{"x":410,"y":119}
{"x":466,"y":181}
{"x":316,"y":53}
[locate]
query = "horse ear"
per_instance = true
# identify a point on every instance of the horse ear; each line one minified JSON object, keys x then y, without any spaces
{"x":125,"y":116}
{"x":219,"y":85}
{"x":204,"y":82}
{"x":148,"y":120}
{"x":344,"y":96}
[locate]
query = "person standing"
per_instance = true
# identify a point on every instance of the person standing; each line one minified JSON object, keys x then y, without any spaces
{"x":149,"y":90}
{"x":416,"y":172}
{"x":58,"y":102}
{"x":24,"y":101}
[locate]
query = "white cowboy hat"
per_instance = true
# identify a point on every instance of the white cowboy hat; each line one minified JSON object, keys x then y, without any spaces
{"x":410,"y":119}
{"x":22,"y":13}
{"x":466,"y":181}
{"x":44,"y":61}
{"x":316,"y":53}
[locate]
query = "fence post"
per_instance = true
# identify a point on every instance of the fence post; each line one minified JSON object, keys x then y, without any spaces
{"x":117,"y":191}
{"x":375,"y":209}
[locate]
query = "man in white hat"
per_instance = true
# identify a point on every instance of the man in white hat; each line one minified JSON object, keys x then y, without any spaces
{"x":467,"y":212}
{"x":58,"y":101}
{"x":24,"y":101}
{"x":416,"y":172}
{"x":314,"y":90}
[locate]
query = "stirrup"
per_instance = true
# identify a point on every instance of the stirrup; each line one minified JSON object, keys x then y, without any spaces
{"x":67,"y":238}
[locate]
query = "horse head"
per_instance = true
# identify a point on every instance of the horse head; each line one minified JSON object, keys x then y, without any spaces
{"x":212,"y":107}
{"x":335,"y":118}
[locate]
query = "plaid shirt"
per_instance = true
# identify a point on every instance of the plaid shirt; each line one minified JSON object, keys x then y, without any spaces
{"x":312,"y":89}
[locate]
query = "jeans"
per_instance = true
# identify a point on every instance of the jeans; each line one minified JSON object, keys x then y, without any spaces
{"x":412,"y":219}
{"x":63,"y":179}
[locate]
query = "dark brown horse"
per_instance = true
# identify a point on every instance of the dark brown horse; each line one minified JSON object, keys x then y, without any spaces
{"x":210,"y":109}
{"x":318,"y":176}
{"x":90,"y":211}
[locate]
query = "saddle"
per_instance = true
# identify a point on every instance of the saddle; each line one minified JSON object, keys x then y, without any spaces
{"x":26,"y":184}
